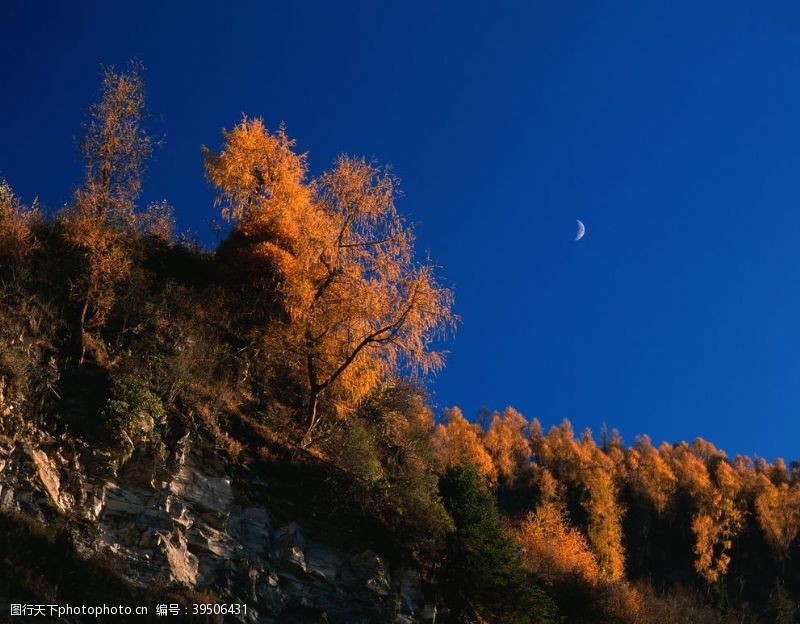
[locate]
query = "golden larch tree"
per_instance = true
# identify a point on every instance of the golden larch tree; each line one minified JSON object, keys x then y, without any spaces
{"x":356,"y":305}
{"x":703,"y":473}
{"x":778,"y":514}
{"x":719,"y":519}
{"x":649,"y":475}
{"x":559,"y":451}
{"x":115,"y":150}
{"x":585,"y":468}
{"x":778,"y":473}
{"x":458,"y":442}
{"x":263,"y":189}
{"x":689,"y":470}
{"x":604,"y":521}
{"x":17,"y":239}
{"x":507,"y":443}
{"x":553,"y":550}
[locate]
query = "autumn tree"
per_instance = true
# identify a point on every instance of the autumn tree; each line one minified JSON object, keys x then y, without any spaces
{"x":262,"y":189}
{"x":17,"y":239}
{"x":553,"y":549}
{"x":558,"y":450}
{"x":115,"y":149}
{"x":778,"y":514}
{"x":613,"y":446}
{"x":718,"y":520}
{"x":604,"y":521}
{"x":356,"y":305}
{"x":507,"y":443}
{"x":649,"y":475}
{"x":458,"y":442}
{"x":590,"y":473}
{"x":690,"y":470}
{"x":777,"y":472}
{"x":157,"y":222}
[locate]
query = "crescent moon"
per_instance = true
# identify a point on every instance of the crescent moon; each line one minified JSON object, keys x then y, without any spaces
{"x":581,"y":230}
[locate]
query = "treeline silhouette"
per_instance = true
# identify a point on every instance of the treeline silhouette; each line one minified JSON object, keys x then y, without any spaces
{"x":299,"y":347}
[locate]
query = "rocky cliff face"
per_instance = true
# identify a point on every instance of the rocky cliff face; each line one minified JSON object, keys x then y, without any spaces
{"x":198,"y":522}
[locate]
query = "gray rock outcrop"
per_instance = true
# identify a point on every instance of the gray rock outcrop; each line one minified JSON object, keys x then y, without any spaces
{"x":195,"y":527}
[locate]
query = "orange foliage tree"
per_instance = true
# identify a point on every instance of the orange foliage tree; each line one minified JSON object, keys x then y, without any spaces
{"x":16,"y":225}
{"x":778,"y":514}
{"x":718,"y":521}
{"x":458,"y":442}
{"x":650,"y":476}
{"x":507,"y":443}
{"x":356,"y":306}
{"x":554,"y":551}
{"x":604,"y":522}
{"x":704,"y":473}
{"x":587,"y":469}
{"x":115,"y":149}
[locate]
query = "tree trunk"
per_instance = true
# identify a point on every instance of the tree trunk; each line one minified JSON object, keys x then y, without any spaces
{"x":312,"y":417}
{"x":82,"y":330}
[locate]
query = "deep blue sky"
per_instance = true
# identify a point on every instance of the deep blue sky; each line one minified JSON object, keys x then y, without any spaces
{"x":672,"y":131}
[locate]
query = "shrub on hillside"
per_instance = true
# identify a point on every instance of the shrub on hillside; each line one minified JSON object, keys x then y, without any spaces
{"x":133,"y":415}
